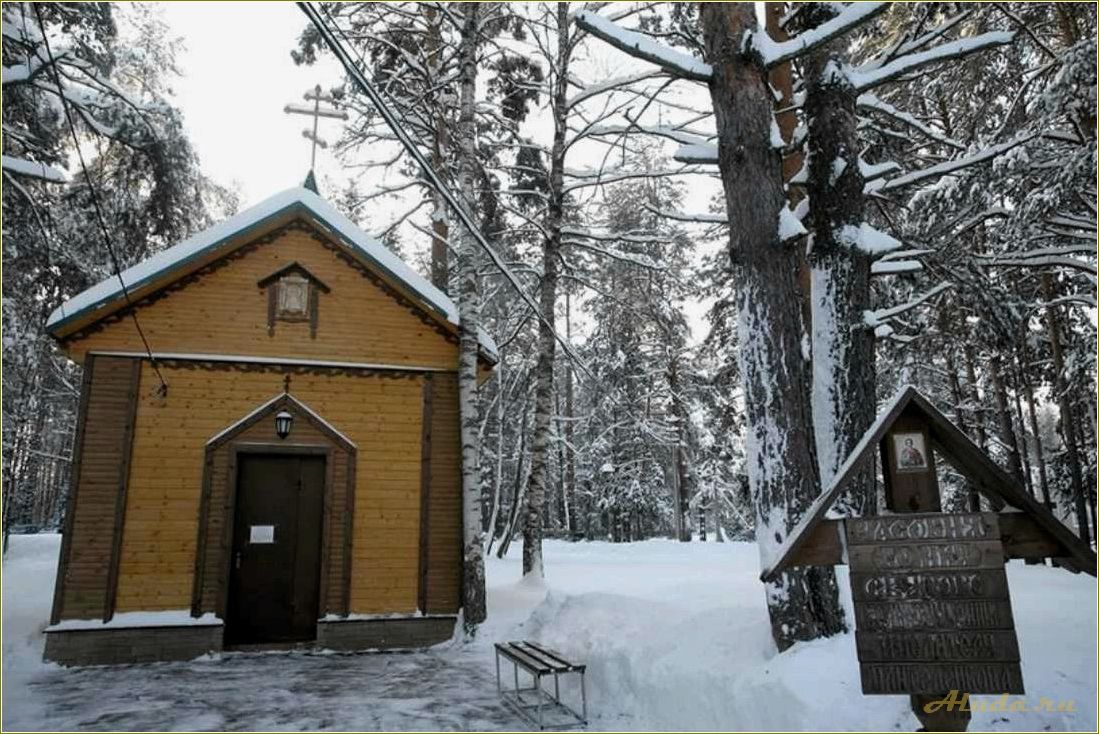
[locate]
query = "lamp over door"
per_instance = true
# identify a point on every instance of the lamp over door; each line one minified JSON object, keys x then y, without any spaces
{"x":284,"y":419}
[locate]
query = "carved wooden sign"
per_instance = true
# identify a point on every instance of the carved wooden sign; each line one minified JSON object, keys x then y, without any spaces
{"x":932,"y":611}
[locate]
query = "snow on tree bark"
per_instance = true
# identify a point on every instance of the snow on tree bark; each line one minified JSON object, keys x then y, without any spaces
{"x":844,"y":403}
{"x":473,"y":559}
{"x":804,"y":603}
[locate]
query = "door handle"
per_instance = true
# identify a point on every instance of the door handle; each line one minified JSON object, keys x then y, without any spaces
{"x":238,"y":560}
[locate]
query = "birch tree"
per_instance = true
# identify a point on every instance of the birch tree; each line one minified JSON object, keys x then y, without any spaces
{"x":469,"y":307}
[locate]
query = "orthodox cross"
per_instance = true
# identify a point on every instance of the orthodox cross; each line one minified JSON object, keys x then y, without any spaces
{"x":316,"y":96}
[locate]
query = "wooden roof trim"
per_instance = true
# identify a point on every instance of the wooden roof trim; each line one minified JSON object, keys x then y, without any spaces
{"x":61,"y":324}
{"x":957,"y":448}
{"x":273,"y":361}
{"x":992,"y":481}
{"x":293,"y":267}
{"x":850,"y":467}
{"x":279,"y":402}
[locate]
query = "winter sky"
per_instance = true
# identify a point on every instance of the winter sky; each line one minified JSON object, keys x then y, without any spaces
{"x":236,"y":77}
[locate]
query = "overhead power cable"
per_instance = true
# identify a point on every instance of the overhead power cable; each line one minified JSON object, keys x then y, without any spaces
{"x":457,"y":205}
{"x":115,"y":263}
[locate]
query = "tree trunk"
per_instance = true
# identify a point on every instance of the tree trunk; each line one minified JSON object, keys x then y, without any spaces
{"x":547,"y":345}
{"x":781,"y":78}
{"x":682,"y":457}
{"x":844,"y":403}
{"x":1003,"y":412}
{"x":1068,"y":421}
{"x":1022,"y":447}
{"x":469,"y":308}
{"x":804,"y":603}
{"x":1039,"y":452}
{"x":517,"y":487}
{"x":440,"y":230}
{"x":973,"y":498}
{"x":498,"y":469}
{"x":975,"y":395}
{"x":570,"y":429}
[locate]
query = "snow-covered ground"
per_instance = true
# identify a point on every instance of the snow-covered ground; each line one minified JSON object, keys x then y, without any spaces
{"x":675,"y":636}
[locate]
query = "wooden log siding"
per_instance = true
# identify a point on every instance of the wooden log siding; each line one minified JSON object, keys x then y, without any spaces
{"x":88,"y":571}
{"x":444,"y":517}
{"x":380,"y":413}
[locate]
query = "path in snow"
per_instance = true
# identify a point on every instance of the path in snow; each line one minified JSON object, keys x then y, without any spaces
{"x":675,"y":636}
{"x":256,"y":691}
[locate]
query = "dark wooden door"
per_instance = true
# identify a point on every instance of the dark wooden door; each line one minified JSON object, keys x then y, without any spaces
{"x":274,"y":578}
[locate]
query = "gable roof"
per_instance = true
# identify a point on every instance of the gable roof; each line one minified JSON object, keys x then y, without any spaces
{"x":225,"y":236}
{"x":954,"y":446}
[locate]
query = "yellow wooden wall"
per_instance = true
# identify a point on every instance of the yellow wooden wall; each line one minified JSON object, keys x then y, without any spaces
{"x":225,"y":312}
{"x":381,"y":415}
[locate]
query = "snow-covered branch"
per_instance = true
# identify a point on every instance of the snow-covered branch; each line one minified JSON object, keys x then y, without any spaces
{"x":688,"y":217}
{"x":679,"y":134}
{"x":610,"y":252}
{"x":874,"y":319}
{"x":704,"y":153}
{"x":867,"y":239}
{"x":33,"y":169}
{"x":946,"y":167}
{"x":609,"y":236}
{"x":865,"y":78}
{"x":895,"y":267}
{"x":610,"y":85}
{"x":903,"y":47}
{"x":868,"y":101}
{"x":847,"y":19}
{"x":642,"y":47}
{"x":1055,"y":257}
{"x":599,"y":178}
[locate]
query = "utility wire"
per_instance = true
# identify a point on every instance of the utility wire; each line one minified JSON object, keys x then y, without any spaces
{"x":456,"y":201}
{"x":456,"y":204}
{"x":95,"y":201}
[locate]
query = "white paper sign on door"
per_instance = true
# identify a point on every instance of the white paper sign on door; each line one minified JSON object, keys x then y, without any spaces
{"x":262,"y":534}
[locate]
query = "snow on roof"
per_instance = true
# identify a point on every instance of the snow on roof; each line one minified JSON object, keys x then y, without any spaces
{"x":209,"y":240}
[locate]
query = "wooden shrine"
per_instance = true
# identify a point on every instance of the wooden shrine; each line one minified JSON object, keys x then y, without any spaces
{"x":930,"y":592}
{"x":273,"y":460}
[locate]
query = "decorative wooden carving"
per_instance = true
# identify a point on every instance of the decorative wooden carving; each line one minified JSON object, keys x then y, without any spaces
{"x":394,"y":373}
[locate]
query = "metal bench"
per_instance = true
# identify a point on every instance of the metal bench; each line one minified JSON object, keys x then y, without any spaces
{"x":534,"y":704}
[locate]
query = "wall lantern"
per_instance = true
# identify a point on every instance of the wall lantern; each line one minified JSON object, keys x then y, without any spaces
{"x":283,"y":420}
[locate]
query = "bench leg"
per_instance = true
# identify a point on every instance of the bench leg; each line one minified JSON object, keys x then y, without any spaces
{"x":583,"y":697}
{"x":499,"y":688}
{"x":538,"y":689}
